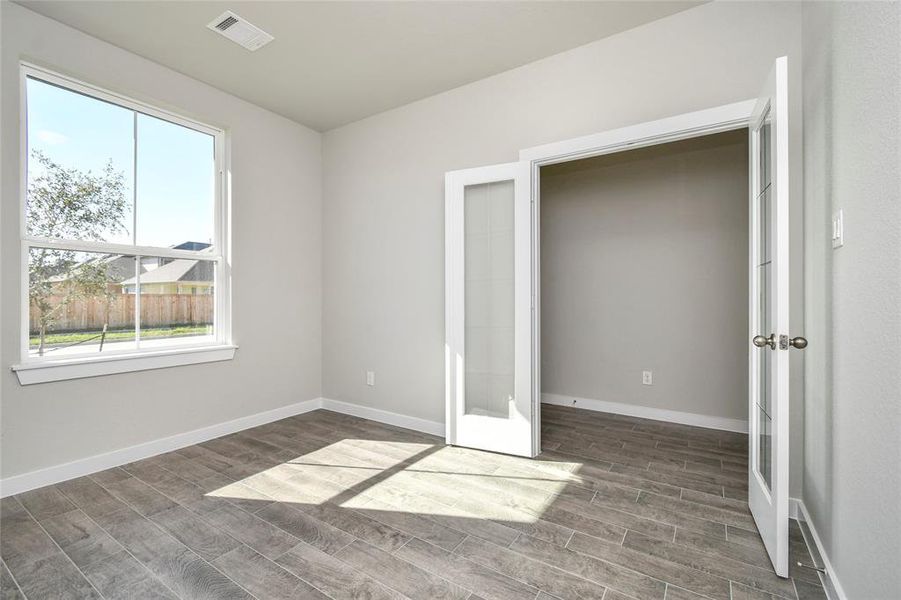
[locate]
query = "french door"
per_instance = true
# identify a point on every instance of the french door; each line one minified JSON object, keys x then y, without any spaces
{"x":769,"y":317}
{"x":488,"y":309}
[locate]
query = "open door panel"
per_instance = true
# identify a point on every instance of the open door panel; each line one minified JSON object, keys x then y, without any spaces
{"x":488,"y":306}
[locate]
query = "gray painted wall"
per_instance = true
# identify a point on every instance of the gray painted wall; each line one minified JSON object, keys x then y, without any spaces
{"x":644,"y":265}
{"x":383,"y":183}
{"x":852,"y":157}
{"x":276,"y":170}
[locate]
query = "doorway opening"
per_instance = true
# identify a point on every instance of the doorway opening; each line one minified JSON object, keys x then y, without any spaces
{"x":644,"y":282}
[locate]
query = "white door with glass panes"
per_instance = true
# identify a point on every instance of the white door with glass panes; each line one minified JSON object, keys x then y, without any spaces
{"x":769,"y":342}
{"x":488,"y":308}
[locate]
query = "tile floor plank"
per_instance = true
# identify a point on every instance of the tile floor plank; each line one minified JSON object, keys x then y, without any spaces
{"x":334,"y":577}
{"x":54,"y":577}
{"x":23,"y":541}
{"x":305,"y":528}
{"x":490,"y":584}
{"x":398,"y":574}
{"x":262,"y":536}
{"x":600,"y":571}
{"x":45,"y":502}
{"x":122,"y":577}
{"x":80,"y":538}
{"x":652,"y":566}
{"x":140,"y":496}
{"x":540,"y":575}
{"x":715,"y":565}
{"x":9,"y":589}
{"x":206,"y":540}
{"x":263,"y":578}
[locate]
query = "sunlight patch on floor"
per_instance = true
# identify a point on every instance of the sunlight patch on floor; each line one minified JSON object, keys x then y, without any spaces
{"x":371,"y":476}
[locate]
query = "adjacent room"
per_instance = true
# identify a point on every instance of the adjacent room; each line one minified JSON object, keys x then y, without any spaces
{"x":619,"y":234}
{"x":463,"y":300}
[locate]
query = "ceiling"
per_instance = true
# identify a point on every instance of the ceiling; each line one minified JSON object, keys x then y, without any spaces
{"x":336,"y":62}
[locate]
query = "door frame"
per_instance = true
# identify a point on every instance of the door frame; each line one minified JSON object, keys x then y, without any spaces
{"x":727,"y":117}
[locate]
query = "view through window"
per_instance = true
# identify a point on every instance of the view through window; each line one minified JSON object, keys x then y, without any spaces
{"x":121,"y":241}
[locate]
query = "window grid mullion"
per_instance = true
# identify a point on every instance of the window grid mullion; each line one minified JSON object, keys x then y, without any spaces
{"x":137,"y":302}
{"x":134,"y":225}
{"x":112,"y":248}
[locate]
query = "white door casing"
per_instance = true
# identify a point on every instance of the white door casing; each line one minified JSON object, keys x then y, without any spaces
{"x":488,"y":309}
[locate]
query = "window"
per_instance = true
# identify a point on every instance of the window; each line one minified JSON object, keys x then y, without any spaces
{"x":123,"y":242}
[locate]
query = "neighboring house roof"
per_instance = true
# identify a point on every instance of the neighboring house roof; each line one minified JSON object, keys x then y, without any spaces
{"x":117,"y":267}
{"x":171,"y":271}
{"x":179,"y":269}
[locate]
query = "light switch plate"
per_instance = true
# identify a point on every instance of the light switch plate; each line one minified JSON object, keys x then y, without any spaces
{"x":838,"y":229}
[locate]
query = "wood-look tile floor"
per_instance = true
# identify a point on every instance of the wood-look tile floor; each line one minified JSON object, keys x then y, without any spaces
{"x":324,"y":505}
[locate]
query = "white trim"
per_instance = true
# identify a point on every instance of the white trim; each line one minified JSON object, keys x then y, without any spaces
{"x":834,"y":590}
{"x":671,"y":129}
{"x":76,"y":368}
{"x":384,"y":416}
{"x":647,"y":412}
{"x":99,"y":462}
{"x":794,"y":509}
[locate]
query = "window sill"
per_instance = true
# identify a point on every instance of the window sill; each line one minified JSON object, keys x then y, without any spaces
{"x":77,"y":368}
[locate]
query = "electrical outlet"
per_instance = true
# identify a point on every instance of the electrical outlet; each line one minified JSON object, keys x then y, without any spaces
{"x":370,"y":378}
{"x":647,"y":377}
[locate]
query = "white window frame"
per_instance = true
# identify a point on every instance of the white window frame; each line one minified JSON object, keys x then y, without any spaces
{"x":33,"y":369}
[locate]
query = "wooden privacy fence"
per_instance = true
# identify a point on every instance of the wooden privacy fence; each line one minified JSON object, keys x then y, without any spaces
{"x":157,"y":310}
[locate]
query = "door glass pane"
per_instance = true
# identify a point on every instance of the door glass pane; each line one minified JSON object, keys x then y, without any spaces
{"x":765,"y":151}
{"x":488,"y":285}
{"x":765,"y":446}
{"x":764,"y":274}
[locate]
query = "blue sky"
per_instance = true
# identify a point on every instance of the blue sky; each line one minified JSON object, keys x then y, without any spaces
{"x":175,"y":174}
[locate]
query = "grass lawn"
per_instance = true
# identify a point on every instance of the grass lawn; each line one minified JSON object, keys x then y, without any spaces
{"x":71,"y":337}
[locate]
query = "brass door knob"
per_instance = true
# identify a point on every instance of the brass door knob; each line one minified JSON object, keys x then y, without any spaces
{"x":761,"y":341}
{"x":798,"y":342}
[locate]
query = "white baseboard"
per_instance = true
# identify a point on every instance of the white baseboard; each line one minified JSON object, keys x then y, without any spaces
{"x":829,"y":579}
{"x":794,"y":509}
{"x":646,"y":412}
{"x":384,"y":416}
{"x":99,"y":462}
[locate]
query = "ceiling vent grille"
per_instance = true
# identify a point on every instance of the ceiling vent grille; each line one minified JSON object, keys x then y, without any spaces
{"x":240,"y":31}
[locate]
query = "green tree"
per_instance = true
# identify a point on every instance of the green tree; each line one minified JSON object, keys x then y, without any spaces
{"x":70,"y":204}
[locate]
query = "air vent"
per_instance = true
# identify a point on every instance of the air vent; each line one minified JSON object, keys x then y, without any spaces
{"x":240,"y":31}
